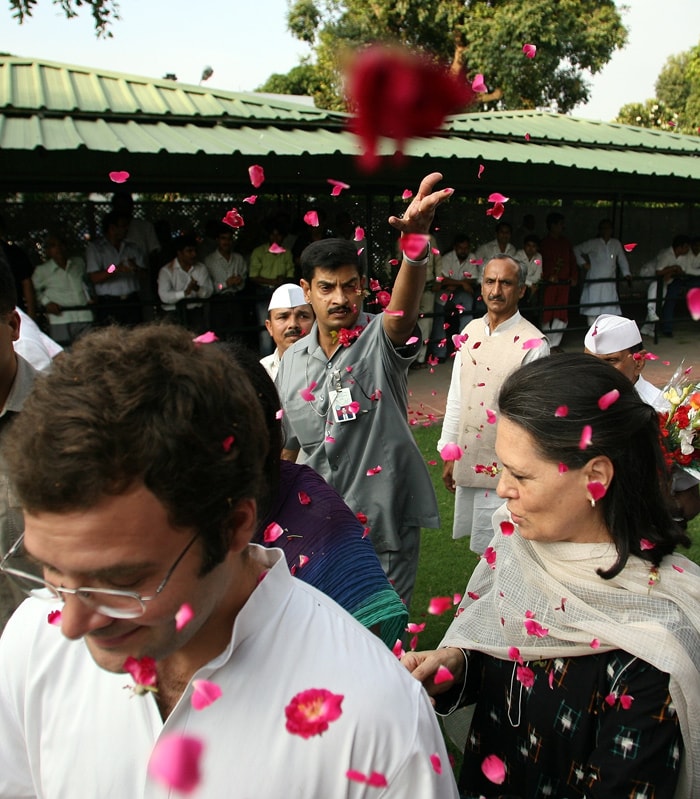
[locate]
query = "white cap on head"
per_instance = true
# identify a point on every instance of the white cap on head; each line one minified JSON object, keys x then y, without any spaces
{"x":289,"y":295}
{"x":611,"y":333}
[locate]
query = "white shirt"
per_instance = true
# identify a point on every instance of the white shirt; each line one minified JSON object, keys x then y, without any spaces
{"x":450,"y":424}
{"x":34,"y":345}
{"x":649,"y":393}
{"x":534,"y":266}
{"x":271,"y":363}
{"x":173,"y":279}
{"x":70,"y":729}
{"x":221,"y":269}
{"x":491,"y":249}
{"x":603,"y":257}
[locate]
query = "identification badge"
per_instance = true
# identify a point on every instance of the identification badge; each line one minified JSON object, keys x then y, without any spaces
{"x":340,"y":402}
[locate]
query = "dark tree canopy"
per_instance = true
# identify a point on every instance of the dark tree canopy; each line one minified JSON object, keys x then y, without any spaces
{"x":573,"y":37}
{"x":677,"y":102}
{"x":104,"y":12}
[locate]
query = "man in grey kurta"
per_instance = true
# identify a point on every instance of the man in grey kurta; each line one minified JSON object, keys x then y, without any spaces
{"x":344,"y":392}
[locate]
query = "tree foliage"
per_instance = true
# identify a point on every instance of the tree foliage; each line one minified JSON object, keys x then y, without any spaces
{"x":677,"y":102}
{"x":104,"y":12}
{"x":573,"y":37}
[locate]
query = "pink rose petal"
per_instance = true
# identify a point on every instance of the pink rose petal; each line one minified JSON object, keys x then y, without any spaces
{"x":562,"y":411}
{"x":532,"y":343}
{"x":677,"y":568}
{"x":206,"y":338}
{"x":478,"y":84}
{"x":119,"y":177}
{"x":439,"y":605}
{"x":233,"y":219}
{"x":608,"y":399}
{"x":530,"y":50}
{"x":436,"y":763}
{"x":414,"y":245}
{"x":257,"y":175}
{"x":184,"y":616}
{"x":491,"y":417}
{"x":377,"y":780}
{"x":595,"y":643}
{"x":451,"y":452}
{"x":275,"y":249}
{"x":279,"y":414}
{"x":497,"y":211}
{"x":412,"y":627}
{"x":497,"y":197}
{"x":338,"y":186}
{"x":490,"y":556}
{"x":311,"y":218}
{"x":111,"y":269}
{"x":596,"y":490}
{"x":525,"y":676}
{"x":693,"y":300}
{"x":586,"y":437}
{"x":227,"y":443}
{"x":373,"y":470}
{"x":356,"y":776}
{"x":527,"y":137}
{"x":610,"y":699}
{"x":456,"y":599}
{"x":481,"y":171}
{"x":535,"y":629}
{"x":175,"y":762}
{"x":514,"y":654}
{"x":412,"y":340}
{"x":304,"y":498}
{"x":54,"y":618}
{"x":251,"y":199}
{"x":473,"y":595}
{"x":443,"y":674}
{"x":645,"y":544}
{"x":359,"y":234}
{"x":563,"y":468}
{"x":494,"y":769}
{"x":507,"y":528}
{"x":626,"y":701}
{"x":204,"y":693}
{"x":629,"y":247}
{"x":306,"y":393}
{"x":272,"y":532}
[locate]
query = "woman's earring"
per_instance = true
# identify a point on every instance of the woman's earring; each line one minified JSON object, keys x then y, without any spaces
{"x":592,"y":501}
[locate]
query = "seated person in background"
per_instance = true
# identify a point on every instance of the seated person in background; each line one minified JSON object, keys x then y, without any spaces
{"x":671,"y":264}
{"x":454,"y":293}
{"x":59,"y":284}
{"x":140,"y":501}
{"x":618,"y":341}
{"x":185,"y":278}
{"x":579,"y":633}
{"x":323,"y":541}
{"x":227,"y":270}
{"x":289,"y":317}
{"x":531,"y":257}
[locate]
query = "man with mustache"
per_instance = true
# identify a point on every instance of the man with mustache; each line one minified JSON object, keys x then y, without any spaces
{"x":289,"y":317}
{"x":344,"y":390}
{"x":489,"y":349}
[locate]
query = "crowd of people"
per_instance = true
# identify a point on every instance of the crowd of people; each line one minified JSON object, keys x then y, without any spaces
{"x":241,"y":534}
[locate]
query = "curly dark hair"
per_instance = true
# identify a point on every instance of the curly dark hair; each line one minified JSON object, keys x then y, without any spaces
{"x":637,"y":504}
{"x":146,"y":405}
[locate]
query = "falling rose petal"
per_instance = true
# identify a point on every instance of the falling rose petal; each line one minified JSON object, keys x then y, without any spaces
{"x":279,"y":414}
{"x":626,"y":701}
{"x":257,"y":175}
{"x":374,"y":284}
{"x":233,"y":219}
{"x":456,"y":599}
{"x":507,"y":528}
{"x":398,"y":649}
{"x":275,"y":249}
{"x":586,"y":437}
{"x":111,"y":269}
{"x":412,"y":627}
{"x":338,"y":186}
{"x":692,"y":298}
{"x":677,"y":568}
{"x":412,"y":340}
{"x":535,"y":629}
{"x":356,"y":776}
{"x":436,"y":763}
{"x":645,"y":544}
{"x":562,"y":411}
{"x":608,"y":399}
{"x":530,"y":50}
{"x":497,"y":197}
{"x":413,"y":644}
{"x":596,"y":490}
{"x":306,"y":393}
{"x":491,"y":417}
{"x":361,"y":517}
{"x":550,"y":679}
{"x":374,"y":470}
{"x":407,"y":194}
{"x":478,"y":84}
{"x":527,"y":137}
{"x":650,"y":355}
{"x":310,"y":712}
{"x":443,"y":674}
{"x":393,"y":313}
{"x":610,"y":699}
{"x":525,"y":676}
{"x":365,"y":532}
{"x":497,"y":211}
{"x":206,"y":338}
{"x":490,"y":556}
{"x":184,"y":616}
{"x":359,"y":234}
{"x":481,"y":171}
{"x":311,"y":218}
{"x":414,"y":245}
{"x":272,"y":532}
{"x":204,"y":694}
{"x":54,"y":618}
{"x":629,"y":247}
{"x":119,"y":177}
{"x":530,"y":614}
{"x":595,"y":644}
{"x":377,"y":780}
{"x":472,"y":595}
{"x":304,"y":498}
{"x":354,"y":407}
{"x":227,"y":443}
{"x":532,"y":343}
{"x":251,"y":199}
{"x":451,"y":452}
{"x":175,"y":762}
{"x":514,"y":654}
{"x":439,"y":605}
{"x":303,"y":560}
{"x":494,"y":769}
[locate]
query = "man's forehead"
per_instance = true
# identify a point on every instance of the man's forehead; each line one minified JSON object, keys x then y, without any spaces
{"x":343,"y":274}
{"x":499,"y":266}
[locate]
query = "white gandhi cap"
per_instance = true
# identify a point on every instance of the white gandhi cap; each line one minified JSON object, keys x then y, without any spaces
{"x":288,"y":295}
{"x":611,"y":334}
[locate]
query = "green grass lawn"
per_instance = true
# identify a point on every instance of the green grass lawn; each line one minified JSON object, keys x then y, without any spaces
{"x":446,"y":565}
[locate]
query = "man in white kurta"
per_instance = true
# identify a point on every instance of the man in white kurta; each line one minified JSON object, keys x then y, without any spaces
{"x":491,"y":347}
{"x":600,"y":258}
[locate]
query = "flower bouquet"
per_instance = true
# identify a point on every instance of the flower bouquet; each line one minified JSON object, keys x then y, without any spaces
{"x":680,"y":422}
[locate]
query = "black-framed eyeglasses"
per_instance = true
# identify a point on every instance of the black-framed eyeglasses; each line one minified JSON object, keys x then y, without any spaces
{"x":112,"y":602}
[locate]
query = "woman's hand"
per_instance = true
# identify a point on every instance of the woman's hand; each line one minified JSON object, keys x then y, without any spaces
{"x":424,"y":666}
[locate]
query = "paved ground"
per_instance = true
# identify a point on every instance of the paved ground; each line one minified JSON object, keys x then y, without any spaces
{"x":428,"y":387}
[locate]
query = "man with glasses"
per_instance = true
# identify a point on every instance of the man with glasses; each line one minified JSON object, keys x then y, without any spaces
{"x":140,"y":464}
